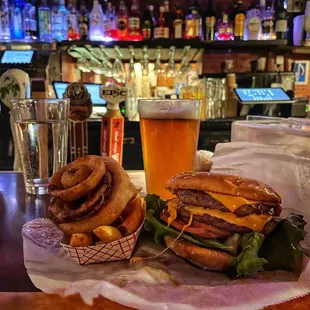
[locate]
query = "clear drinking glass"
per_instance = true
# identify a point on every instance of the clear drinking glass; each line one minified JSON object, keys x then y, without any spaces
{"x":169,"y":132}
{"x":41,"y":127}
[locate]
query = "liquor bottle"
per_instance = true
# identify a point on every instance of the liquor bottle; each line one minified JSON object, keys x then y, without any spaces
{"x":239,"y":20}
{"x":210,"y":22}
{"x":224,"y":29}
{"x":96,"y":29}
{"x":252,"y":27}
{"x":72,"y":21}
{"x":178,"y":23}
{"x":44,"y":16}
{"x":147,"y":24}
{"x":113,"y":23}
{"x":281,"y":20}
{"x":122,"y":21}
{"x":151,"y":8}
{"x":168,"y":18}
{"x":107,"y":21}
{"x":30,"y":21}
{"x":59,"y":21}
{"x":5,"y":34}
{"x":83,"y":21}
{"x":193,"y":24}
{"x":134,"y":22}
{"x":161,"y":31}
{"x":17,"y":20}
{"x":267,"y":17}
{"x":200,"y":10}
{"x":307,"y":24}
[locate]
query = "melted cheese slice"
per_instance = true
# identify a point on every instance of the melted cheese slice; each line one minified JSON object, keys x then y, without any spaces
{"x":253,"y":221}
{"x":232,"y":203}
{"x":172,"y":210}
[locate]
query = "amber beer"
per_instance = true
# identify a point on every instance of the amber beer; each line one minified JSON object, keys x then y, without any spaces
{"x":169,"y":133}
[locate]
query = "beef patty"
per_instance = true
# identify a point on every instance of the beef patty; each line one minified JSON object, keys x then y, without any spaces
{"x":223,"y":225}
{"x":199,"y":198}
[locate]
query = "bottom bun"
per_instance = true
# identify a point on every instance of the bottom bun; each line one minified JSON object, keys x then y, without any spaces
{"x":204,"y":258}
{"x":123,"y":191}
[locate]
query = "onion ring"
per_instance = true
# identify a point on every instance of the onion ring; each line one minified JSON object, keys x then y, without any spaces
{"x":94,"y":163}
{"x":123,"y":191}
{"x":60,"y":214}
{"x":74,"y":176}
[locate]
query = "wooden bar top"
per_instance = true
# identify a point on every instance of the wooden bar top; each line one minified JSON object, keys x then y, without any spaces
{"x":16,"y":289}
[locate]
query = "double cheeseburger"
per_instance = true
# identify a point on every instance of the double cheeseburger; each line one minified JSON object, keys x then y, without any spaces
{"x":217,"y":206}
{"x":91,"y":192}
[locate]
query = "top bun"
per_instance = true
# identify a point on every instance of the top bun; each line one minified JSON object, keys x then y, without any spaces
{"x":223,"y":184}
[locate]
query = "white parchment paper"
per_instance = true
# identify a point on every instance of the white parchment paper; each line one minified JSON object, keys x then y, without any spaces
{"x":168,"y":282}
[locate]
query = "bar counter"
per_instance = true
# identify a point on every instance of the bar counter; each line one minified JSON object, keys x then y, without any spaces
{"x":16,"y":289}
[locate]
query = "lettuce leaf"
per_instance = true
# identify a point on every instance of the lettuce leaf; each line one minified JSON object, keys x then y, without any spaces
{"x":159,"y":230}
{"x":247,"y":263}
{"x":154,"y":202}
{"x":281,"y":249}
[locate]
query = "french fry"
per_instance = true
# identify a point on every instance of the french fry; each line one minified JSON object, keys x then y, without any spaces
{"x":133,"y":214}
{"x":81,"y":239}
{"x":107,"y":233}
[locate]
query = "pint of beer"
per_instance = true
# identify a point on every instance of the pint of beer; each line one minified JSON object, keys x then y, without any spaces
{"x":169,"y":132}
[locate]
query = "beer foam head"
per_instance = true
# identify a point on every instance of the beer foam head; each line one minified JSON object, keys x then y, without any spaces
{"x":169,"y":109}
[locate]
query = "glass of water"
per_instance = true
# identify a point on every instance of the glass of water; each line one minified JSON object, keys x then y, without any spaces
{"x":41,"y":127}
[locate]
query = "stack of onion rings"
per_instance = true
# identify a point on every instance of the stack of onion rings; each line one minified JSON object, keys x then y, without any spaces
{"x":89,"y":192}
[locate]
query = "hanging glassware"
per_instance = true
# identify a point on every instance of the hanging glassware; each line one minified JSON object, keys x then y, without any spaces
{"x":157,"y":66}
{"x":171,"y":68}
{"x":118,"y":69}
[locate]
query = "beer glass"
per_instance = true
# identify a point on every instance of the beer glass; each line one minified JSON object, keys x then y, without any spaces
{"x":41,"y":127}
{"x":169,"y":132}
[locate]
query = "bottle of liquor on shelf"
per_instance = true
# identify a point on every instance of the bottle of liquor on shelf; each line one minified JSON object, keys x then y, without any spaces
{"x":122,"y":21}
{"x":59,"y":21}
{"x":147,"y":24}
{"x":83,"y":21}
{"x":44,"y":16}
{"x":224,"y":29}
{"x":5,"y":34}
{"x":161,"y":30}
{"x":178,"y":23}
{"x":210,"y":22}
{"x":239,"y":20}
{"x":168,"y":17}
{"x":193,"y":24}
{"x":72,"y":21}
{"x":30,"y":21}
{"x":268,"y":24}
{"x":252,"y":27}
{"x":17,"y":20}
{"x":151,"y":8}
{"x":96,"y":29}
{"x":113,"y":23}
{"x":134,"y":22}
{"x":281,"y":20}
{"x":107,"y":24}
{"x":307,"y":24}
